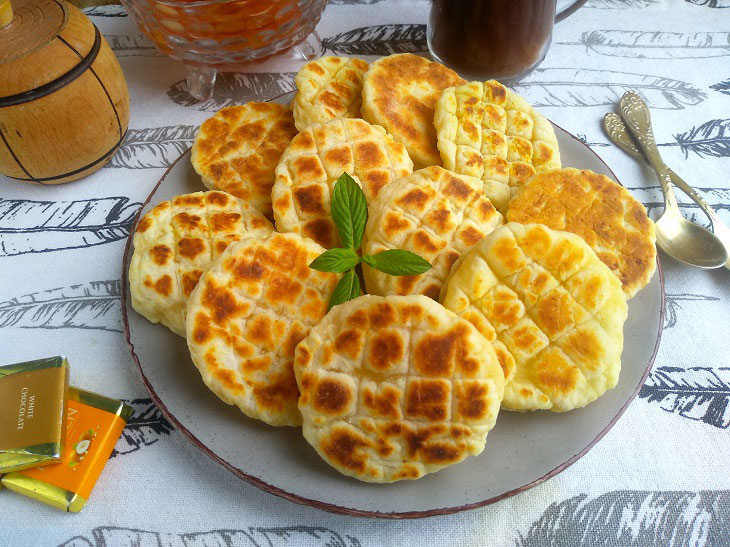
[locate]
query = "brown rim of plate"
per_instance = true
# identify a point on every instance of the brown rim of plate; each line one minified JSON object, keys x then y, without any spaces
{"x":258,"y":483}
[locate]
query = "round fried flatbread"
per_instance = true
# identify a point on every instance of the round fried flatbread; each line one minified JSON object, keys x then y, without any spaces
{"x":316,"y":158}
{"x":328,"y":88}
{"x":400,"y":93}
{"x":489,"y":132}
{"x":543,"y":297}
{"x":602,"y":212}
{"x":396,"y":387}
{"x":434,"y":213}
{"x":246,"y":316}
{"x":237,"y":150}
{"x":176,"y":242}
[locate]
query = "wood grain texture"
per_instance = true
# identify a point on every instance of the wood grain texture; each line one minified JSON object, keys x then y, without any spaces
{"x":64,"y":106}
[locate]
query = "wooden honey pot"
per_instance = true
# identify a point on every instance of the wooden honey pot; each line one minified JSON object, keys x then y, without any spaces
{"x":64,"y":105}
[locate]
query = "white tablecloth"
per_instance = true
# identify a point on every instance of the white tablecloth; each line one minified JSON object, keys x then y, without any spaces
{"x":659,"y":477}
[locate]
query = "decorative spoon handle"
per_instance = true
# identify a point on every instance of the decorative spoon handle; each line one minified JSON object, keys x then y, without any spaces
{"x":619,"y":135}
{"x":635,"y":114}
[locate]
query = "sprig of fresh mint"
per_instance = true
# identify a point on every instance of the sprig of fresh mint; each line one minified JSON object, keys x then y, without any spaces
{"x":350,"y":214}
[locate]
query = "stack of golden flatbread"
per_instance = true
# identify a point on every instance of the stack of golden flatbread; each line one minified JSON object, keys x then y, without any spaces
{"x":523,"y":308}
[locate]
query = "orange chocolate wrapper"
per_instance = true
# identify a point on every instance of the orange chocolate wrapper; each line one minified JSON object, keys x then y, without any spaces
{"x":93,"y":426}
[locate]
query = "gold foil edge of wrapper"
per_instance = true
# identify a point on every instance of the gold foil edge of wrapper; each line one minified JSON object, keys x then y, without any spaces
{"x":51,"y":494}
{"x":36,"y":392}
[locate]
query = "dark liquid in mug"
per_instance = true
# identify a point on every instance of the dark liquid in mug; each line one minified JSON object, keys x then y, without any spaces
{"x":500,"y":39}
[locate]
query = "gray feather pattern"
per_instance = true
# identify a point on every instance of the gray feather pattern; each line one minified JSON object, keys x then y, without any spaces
{"x":656,"y":44}
{"x":154,"y":147}
{"x":280,"y":536}
{"x":145,"y":427}
{"x":711,"y":138}
{"x":106,"y":11}
{"x":235,"y":88}
{"x":28,"y":226}
{"x":91,"y":305}
{"x":634,"y":518}
{"x":711,"y":3}
{"x":722,"y":87}
{"x":673,"y":304}
{"x":378,"y":40}
{"x":620,"y":4}
{"x":697,"y":393}
{"x":132,"y":45}
{"x":587,"y":87}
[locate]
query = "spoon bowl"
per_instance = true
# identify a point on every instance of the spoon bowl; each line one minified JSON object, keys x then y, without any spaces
{"x":677,"y":236}
{"x":689,"y":243}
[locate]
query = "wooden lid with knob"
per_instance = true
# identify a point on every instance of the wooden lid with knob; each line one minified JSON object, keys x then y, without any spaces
{"x":54,"y":64}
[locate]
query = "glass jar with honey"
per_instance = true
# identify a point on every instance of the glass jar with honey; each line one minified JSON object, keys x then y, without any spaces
{"x":212,"y":35}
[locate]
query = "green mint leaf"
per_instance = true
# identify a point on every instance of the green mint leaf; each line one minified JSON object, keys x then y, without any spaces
{"x":336,"y":260}
{"x":398,"y":262}
{"x":349,"y":211}
{"x":347,"y":289}
{"x":367,"y":259}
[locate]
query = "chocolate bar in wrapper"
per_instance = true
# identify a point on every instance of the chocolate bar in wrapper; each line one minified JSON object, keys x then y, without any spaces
{"x":93,"y":426}
{"x":32,"y":413}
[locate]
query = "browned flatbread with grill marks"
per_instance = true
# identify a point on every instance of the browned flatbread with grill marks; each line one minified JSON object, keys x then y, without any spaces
{"x":434,"y":213}
{"x":601,"y":211}
{"x":400,"y":93}
{"x":316,"y":158}
{"x":176,"y":242}
{"x":246,"y":316}
{"x":328,"y":88}
{"x":553,"y":308}
{"x":396,"y":387}
{"x":489,"y":132}
{"x":238,"y":149}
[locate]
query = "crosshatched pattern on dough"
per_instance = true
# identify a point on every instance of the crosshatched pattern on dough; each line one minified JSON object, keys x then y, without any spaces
{"x":553,"y":308}
{"x":396,"y":387}
{"x":328,"y":88}
{"x":246,"y":316}
{"x":176,"y":242}
{"x":316,"y":158}
{"x":238,"y":149}
{"x":434,"y":213}
{"x":489,"y":132}
{"x":601,"y":211}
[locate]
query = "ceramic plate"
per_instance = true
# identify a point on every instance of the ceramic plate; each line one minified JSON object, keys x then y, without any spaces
{"x":522,"y":450}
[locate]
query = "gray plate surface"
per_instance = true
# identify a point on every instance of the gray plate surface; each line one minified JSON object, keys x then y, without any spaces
{"x":522,"y":450}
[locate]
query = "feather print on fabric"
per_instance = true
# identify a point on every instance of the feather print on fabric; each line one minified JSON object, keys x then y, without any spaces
{"x":235,"y":88}
{"x":28,"y":226}
{"x":154,"y":147}
{"x":710,"y":139}
{"x":132,"y":45}
{"x":673,"y":304}
{"x":620,"y":4}
{"x":106,"y":11}
{"x":722,"y":87}
{"x":145,"y":427}
{"x":711,"y":3}
{"x":634,"y":518}
{"x":651,"y":197}
{"x":91,"y":305}
{"x":584,"y":139}
{"x":587,"y":87}
{"x":280,"y":536}
{"x":378,"y":40}
{"x":656,"y":45}
{"x":697,"y":393}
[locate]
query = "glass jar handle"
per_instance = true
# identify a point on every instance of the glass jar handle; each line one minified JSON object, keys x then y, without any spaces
{"x":570,"y":10}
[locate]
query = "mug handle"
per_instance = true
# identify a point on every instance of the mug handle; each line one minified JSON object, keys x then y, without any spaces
{"x":570,"y":10}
